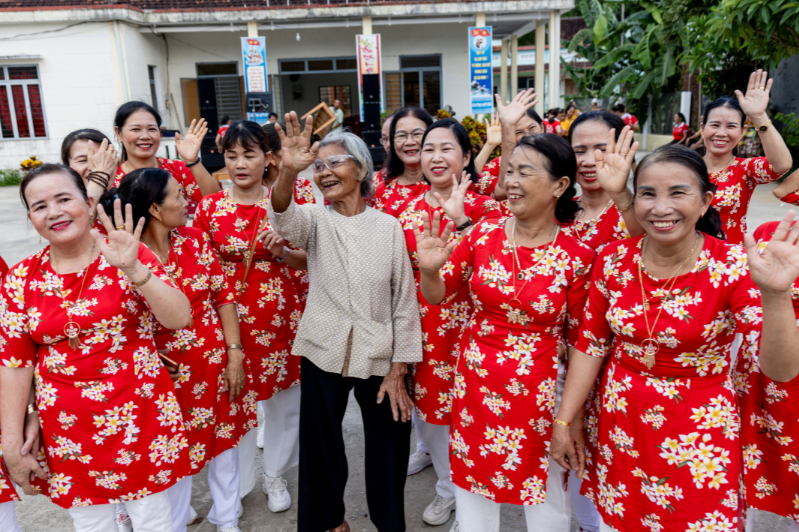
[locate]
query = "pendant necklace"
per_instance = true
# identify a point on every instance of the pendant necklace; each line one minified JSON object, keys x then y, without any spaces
{"x":71,"y":328}
{"x":651,"y":345}
{"x":251,"y":247}
{"x":517,"y":315}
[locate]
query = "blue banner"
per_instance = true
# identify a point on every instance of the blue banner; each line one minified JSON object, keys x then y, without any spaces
{"x":481,"y":74}
{"x":259,"y":118}
{"x":253,"y":51}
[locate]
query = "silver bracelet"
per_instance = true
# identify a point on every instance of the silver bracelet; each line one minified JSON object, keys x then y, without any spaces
{"x":286,"y":257}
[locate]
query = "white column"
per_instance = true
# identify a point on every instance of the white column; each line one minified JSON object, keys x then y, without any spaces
{"x":503,"y":72}
{"x":514,"y":65}
{"x":540,"y":49}
{"x":367,"y":25}
{"x":252,"y":28}
{"x":554,"y":58}
{"x":480,"y":19}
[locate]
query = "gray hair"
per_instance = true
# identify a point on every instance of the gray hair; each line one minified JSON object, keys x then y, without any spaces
{"x":355,"y":146}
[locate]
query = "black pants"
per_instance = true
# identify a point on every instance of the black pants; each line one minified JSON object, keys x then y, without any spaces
{"x":323,"y":463}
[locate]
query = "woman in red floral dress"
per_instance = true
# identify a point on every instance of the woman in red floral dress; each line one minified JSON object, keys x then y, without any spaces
{"x":666,"y":307}
{"x":403,"y":178}
{"x":736,"y":178}
{"x":209,"y":375}
{"x":446,"y":153}
{"x":769,"y":428}
{"x":137,"y":127}
{"x":269,"y":303}
{"x":529,"y":284}
{"x":80,"y":315}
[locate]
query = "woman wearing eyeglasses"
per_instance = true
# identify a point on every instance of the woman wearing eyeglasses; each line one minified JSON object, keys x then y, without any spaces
{"x":263,"y":272}
{"x":403,"y":176}
{"x":355,"y":333}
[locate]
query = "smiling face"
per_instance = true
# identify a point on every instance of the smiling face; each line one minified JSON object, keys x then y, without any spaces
{"x":58,"y":210}
{"x":589,"y":136}
{"x":723,"y":130}
{"x":173,"y":211}
{"x":531,"y":190}
{"x":140,"y":135}
{"x":246,"y":165}
{"x":79,"y":157}
{"x":442,"y":157}
{"x":669,"y":201}
{"x":525,"y":127}
{"x":342,"y":182}
{"x":408,"y":140}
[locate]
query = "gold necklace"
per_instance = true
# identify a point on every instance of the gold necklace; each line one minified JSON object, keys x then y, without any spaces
{"x":518,"y":315}
{"x":652,"y":345}
{"x":71,"y":328}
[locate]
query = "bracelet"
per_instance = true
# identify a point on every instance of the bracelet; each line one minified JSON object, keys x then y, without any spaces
{"x":31,"y":409}
{"x":189,"y":165}
{"x":99,"y":178}
{"x":146,"y":278}
{"x":464,"y":225}
{"x":235,"y":346}
{"x":286,"y":257}
{"x":627,"y":207}
{"x":561,"y":422}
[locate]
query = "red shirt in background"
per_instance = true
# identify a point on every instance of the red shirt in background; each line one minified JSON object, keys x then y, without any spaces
{"x":629,"y":119}
{"x":679,"y":130}
{"x":222,"y":131}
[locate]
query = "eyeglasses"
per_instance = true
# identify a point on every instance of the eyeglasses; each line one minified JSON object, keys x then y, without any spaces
{"x":416,"y":135}
{"x":331,"y":163}
{"x":383,"y":139}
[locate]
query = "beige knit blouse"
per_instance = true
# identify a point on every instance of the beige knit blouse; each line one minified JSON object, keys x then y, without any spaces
{"x":361,"y":284}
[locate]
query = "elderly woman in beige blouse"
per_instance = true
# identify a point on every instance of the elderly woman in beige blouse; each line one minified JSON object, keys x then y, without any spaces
{"x":360,"y":313}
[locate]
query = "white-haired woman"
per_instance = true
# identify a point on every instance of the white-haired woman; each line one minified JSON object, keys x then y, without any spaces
{"x":353,"y":335}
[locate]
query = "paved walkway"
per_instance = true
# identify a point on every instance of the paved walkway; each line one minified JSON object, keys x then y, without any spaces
{"x":18,"y":239}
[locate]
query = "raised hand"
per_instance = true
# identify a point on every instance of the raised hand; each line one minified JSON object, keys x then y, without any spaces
{"x":777,"y":267}
{"x":104,"y":159}
{"x":432,"y":252}
{"x":755,"y":101}
{"x":189,"y":147}
{"x":509,"y":115}
{"x":613,"y":166}
{"x":297,"y":152}
{"x":122,"y":248}
{"x":493,"y":131}
{"x":453,"y":207}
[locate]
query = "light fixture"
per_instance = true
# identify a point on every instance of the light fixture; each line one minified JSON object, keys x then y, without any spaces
{"x":298,"y":35}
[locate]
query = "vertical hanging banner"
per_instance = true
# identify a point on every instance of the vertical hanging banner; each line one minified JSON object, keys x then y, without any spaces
{"x":253,"y":50}
{"x":368,"y":48}
{"x":481,"y":73}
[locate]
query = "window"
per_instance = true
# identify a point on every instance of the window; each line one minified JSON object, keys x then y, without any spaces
{"x":318,"y":66}
{"x":21,"y":109}
{"x":153,"y":90}
{"x":217,"y":69}
{"x":418,"y":83}
{"x":343,"y":93}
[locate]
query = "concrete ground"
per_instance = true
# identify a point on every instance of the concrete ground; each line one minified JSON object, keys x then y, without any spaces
{"x":35,"y":514}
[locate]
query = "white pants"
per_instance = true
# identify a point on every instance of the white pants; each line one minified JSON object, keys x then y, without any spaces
{"x":478,"y":514}
{"x":148,"y":514}
{"x":436,"y":439}
{"x":418,"y":427}
{"x":281,"y":439}
{"x":587,"y":514}
{"x":605,"y":528}
{"x":8,"y":517}
{"x":750,"y":522}
{"x":223,"y":482}
{"x":179,"y":501}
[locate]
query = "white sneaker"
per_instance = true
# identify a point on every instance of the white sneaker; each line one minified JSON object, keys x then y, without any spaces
{"x":455,"y":527}
{"x":418,"y":461}
{"x":228,"y":529}
{"x":259,"y":441}
{"x":192,"y":516}
{"x":438,"y":511}
{"x":275,"y":489}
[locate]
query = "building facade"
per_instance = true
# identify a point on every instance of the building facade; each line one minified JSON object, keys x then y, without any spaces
{"x":68,"y":64}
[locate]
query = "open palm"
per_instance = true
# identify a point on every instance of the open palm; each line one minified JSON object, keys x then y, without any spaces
{"x":432,"y":252}
{"x":777,"y":267}
{"x":453,"y":207}
{"x":513,"y":112}
{"x":493,"y":131}
{"x":121,"y":247}
{"x":297,"y":152}
{"x":755,"y":101}
{"x":189,"y":146}
{"x":613,"y":166}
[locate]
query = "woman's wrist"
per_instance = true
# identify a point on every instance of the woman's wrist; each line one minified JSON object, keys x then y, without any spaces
{"x":137,"y":272}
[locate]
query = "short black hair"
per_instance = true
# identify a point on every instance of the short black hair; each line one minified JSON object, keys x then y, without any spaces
{"x":612,"y":120}
{"x":271,"y":115}
{"x":80,"y":134}
{"x":140,"y":188}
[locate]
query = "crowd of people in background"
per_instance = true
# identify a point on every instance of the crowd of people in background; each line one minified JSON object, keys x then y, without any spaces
{"x":557,"y":338}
